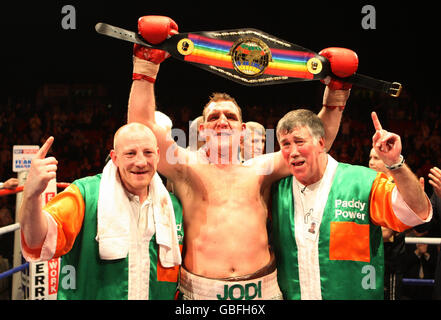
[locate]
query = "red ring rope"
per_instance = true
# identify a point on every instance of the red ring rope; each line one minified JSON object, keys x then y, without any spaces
{"x":5,"y":192}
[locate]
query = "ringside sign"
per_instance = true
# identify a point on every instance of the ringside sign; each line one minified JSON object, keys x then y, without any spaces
{"x":22,"y":157}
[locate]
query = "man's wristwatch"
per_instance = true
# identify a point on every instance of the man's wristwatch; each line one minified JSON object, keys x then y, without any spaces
{"x":396,"y":165}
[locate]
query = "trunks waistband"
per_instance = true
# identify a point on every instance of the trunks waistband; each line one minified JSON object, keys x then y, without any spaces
{"x":268,"y":269}
{"x":260,"y":285}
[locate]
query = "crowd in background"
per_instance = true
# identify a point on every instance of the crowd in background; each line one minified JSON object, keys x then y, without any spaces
{"x":83,"y":118}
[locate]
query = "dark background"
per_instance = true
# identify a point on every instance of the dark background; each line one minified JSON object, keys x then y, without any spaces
{"x":36,"y":49}
{"x":60,"y":76}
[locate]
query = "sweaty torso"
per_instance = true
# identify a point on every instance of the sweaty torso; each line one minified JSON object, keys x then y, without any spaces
{"x":225,"y":219}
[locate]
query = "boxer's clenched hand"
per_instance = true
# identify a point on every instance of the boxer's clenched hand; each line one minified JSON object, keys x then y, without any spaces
{"x":154,"y":29}
{"x":344,"y":63}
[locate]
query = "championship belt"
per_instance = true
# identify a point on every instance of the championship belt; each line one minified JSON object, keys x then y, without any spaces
{"x":250,"y":57}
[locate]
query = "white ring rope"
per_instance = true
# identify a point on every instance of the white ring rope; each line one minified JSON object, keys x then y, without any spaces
{"x":9,"y":228}
{"x":416,"y":240}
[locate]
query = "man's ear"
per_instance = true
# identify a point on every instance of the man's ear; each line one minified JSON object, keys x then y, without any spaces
{"x":322,"y":144}
{"x":157,"y":152}
{"x":113,"y":156}
{"x":201,"y":131}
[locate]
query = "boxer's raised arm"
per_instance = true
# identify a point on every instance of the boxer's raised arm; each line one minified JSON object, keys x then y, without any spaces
{"x":142,"y":102}
{"x":344,"y":63}
{"x":146,"y":62}
{"x":331,"y":116}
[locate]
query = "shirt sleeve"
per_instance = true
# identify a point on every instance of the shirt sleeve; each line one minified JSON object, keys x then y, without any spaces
{"x":47,"y":251}
{"x":65,"y":215}
{"x":388,"y":208}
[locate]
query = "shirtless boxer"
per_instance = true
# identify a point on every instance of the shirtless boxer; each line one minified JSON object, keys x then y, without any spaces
{"x":224,"y":202}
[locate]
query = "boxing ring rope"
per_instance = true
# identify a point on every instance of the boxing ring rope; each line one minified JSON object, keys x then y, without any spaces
{"x":419,"y":282}
{"x":420,"y":240}
{"x":10,"y":272}
{"x":9,"y":228}
{"x":5,"y":192}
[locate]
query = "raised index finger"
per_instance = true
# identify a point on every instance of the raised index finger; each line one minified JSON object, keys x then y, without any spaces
{"x":41,"y":154}
{"x":376,"y":121}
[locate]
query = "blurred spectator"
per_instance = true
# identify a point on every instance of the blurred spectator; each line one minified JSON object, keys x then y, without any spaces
{"x":435,"y":181}
{"x":419,"y":264}
{"x":80,"y":116}
{"x":394,"y":245}
{"x":11,"y":183}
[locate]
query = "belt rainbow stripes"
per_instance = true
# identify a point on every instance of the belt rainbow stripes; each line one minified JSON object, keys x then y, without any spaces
{"x":217,"y":53}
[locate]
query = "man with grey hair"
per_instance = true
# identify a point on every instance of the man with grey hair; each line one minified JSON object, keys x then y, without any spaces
{"x":342,"y":256}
